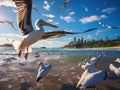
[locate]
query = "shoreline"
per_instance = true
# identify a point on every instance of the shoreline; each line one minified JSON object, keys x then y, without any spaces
{"x":98,"y":48}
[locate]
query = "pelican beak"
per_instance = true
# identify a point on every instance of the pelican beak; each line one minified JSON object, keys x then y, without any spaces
{"x":116,"y":60}
{"x":48,"y":24}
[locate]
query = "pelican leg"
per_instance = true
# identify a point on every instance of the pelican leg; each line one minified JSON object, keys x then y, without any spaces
{"x":96,"y":88}
{"x":19,"y":54}
{"x":26,"y":55}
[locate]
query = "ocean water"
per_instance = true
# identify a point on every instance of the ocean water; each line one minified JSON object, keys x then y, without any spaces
{"x":18,"y":73}
{"x":72,"y":54}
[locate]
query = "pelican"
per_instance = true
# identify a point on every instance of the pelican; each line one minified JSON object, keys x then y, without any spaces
{"x":10,"y":23}
{"x":117,"y":60}
{"x":63,"y":5}
{"x":24,"y":8}
{"x":89,"y":68}
{"x":115,"y":70}
{"x":92,"y":79}
{"x":43,"y":70}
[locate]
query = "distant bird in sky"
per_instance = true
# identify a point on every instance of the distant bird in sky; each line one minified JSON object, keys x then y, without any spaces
{"x":64,"y":5}
{"x":114,"y":69}
{"x":113,"y":27}
{"x":10,"y":23}
{"x":43,"y":70}
{"x":108,"y":26}
{"x":35,"y":9}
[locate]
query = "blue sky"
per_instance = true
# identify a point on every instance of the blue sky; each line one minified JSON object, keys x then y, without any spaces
{"x":77,"y":16}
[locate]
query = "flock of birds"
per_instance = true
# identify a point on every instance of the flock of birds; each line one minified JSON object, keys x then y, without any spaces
{"x":91,"y":77}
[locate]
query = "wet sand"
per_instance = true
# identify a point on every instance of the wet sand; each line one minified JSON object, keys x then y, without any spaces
{"x":63,"y":76}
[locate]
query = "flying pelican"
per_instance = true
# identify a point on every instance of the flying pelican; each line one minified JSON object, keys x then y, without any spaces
{"x":10,"y":23}
{"x":117,"y":60}
{"x":92,"y":79}
{"x":115,"y":70}
{"x":64,"y":5}
{"x":24,"y":8}
{"x":43,"y":70}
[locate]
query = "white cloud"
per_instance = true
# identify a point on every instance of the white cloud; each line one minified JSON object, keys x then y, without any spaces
{"x":4,"y":40}
{"x":7,"y":3}
{"x":56,"y":23}
{"x":68,"y":19}
{"x":89,"y":37}
{"x":109,"y":10}
{"x":71,"y":13}
{"x":49,"y":20}
{"x":92,"y":18}
{"x":11,"y":35}
{"x":14,"y":10}
{"x":48,"y":15}
{"x":46,"y":5}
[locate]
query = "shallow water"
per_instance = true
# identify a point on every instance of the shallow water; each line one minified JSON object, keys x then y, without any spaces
{"x":20,"y":74}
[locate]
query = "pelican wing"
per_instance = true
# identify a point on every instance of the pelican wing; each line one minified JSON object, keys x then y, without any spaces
{"x":89,"y":30}
{"x":56,"y":34}
{"x":24,"y":8}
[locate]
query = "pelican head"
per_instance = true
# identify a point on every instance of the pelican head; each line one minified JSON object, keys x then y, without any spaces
{"x":39,"y":23}
{"x":117,"y":60}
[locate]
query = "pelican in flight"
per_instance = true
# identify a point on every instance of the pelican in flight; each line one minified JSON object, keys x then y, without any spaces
{"x":64,"y":5}
{"x":24,"y":8}
{"x":43,"y":70}
{"x":10,"y":23}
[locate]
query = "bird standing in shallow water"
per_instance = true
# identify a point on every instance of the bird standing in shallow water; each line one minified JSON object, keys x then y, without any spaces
{"x":43,"y":70}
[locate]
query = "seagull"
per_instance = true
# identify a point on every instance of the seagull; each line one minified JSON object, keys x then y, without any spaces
{"x":108,"y":26}
{"x":64,"y":5}
{"x":43,"y":70}
{"x":92,"y":79}
{"x":10,"y":23}
{"x":24,"y":8}
{"x":115,"y":70}
{"x":113,"y":27}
